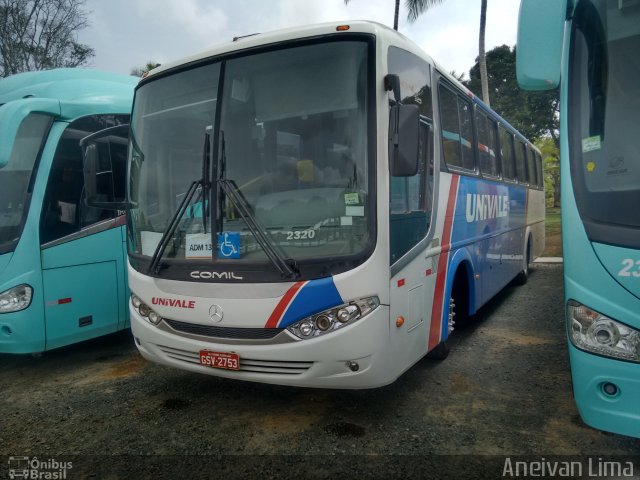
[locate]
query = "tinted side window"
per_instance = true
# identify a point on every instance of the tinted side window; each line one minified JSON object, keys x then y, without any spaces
{"x":466,"y":134}
{"x":412,"y":197}
{"x":457,"y":130}
{"x":412,"y":200}
{"x":531,"y":168}
{"x":540,"y":170}
{"x":64,"y":211}
{"x":415,"y":75}
{"x":521,"y":159}
{"x":487,"y":143}
{"x":450,"y":127}
{"x":506,"y":150}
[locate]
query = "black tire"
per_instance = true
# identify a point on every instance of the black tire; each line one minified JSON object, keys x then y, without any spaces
{"x":523,"y":276}
{"x":440,"y":352}
{"x":459,"y":300}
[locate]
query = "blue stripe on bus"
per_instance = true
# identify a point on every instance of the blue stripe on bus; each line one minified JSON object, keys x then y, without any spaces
{"x":314,"y":297}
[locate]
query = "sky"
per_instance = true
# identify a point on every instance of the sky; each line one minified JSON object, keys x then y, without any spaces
{"x":126,"y":34}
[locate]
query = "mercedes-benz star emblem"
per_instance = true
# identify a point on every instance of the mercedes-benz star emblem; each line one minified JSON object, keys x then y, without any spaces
{"x":215,"y":313}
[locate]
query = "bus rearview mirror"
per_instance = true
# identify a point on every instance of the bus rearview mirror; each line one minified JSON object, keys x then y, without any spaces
{"x":104,"y":156}
{"x":540,"y":39}
{"x":404,"y":138}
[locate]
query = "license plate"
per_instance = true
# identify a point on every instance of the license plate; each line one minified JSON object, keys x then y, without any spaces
{"x":227,"y":361}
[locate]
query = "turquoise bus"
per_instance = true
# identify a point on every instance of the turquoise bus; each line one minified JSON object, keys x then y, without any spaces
{"x":590,"y":48}
{"x":62,"y":263}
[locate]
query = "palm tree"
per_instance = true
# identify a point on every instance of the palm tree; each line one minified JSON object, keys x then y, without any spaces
{"x":482,"y":59}
{"x":395,"y":17}
{"x":417,"y":7}
{"x":138,"y":72}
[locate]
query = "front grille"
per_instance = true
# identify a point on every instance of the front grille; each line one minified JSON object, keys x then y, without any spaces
{"x":279,"y":367}
{"x":224,"y":332}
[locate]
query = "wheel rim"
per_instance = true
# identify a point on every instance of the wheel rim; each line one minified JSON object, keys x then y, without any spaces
{"x":450,"y":317}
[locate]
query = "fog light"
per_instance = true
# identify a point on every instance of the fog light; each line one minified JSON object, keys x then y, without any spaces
{"x":323,"y":322}
{"x":609,"y":389}
{"x":353,"y":366}
{"x":144,"y":310}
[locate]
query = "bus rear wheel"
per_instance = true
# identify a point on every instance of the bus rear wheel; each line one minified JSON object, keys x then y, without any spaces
{"x":523,"y":276}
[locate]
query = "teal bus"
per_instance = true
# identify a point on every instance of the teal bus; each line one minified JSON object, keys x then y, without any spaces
{"x":590,"y":48}
{"x":62,"y":262}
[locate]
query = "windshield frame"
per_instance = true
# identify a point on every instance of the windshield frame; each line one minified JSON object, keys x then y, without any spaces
{"x":10,"y":246}
{"x":597,"y":230}
{"x":225,"y":270}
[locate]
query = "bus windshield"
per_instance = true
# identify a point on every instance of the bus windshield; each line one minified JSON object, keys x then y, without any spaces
{"x":16,"y":179}
{"x":605,"y":119}
{"x":275,"y":141}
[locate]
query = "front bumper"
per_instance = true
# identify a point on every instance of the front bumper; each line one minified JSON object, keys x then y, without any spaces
{"x":619,"y":413}
{"x":320,"y":362}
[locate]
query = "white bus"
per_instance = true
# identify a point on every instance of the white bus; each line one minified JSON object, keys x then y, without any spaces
{"x":318,"y":207}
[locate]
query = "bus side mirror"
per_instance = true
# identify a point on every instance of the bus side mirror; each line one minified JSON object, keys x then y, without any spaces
{"x":104,"y":156}
{"x":404,"y":140}
{"x":540,"y":40}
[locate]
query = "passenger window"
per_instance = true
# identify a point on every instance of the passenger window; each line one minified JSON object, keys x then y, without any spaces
{"x":540,"y":170}
{"x":531,"y":167}
{"x":64,"y":210}
{"x":466,"y":134}
{"x":457,"y":132}
{"x":521,"y":158}
{"x":487,"y":143}
{"x":506,"y":150}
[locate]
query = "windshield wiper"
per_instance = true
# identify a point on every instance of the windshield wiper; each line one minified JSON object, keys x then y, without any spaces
{"x":173,"y":224}
{"x":232,"y":192}
{"x":154,"y":266}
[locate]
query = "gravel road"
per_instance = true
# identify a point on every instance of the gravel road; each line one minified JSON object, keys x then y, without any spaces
{"x":504,"y":391}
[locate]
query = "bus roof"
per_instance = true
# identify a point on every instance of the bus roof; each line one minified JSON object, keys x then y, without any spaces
{"x":279,"y":36}
{"x":70,"y":84}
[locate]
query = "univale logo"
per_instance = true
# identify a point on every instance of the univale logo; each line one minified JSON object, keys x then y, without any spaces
{"x":173,"y":302}
{"x":486,"y":207}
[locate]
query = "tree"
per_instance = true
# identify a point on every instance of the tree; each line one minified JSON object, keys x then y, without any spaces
{"x":138,"y":72}
{"x":415,"y":7}
{"x":41,"y":34}
{"x":482,"y":60}
{"x":551,"y":166}
{"x":535,"y":114}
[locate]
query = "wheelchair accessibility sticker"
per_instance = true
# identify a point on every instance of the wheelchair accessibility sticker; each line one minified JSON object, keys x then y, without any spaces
{"x":229,"y":245}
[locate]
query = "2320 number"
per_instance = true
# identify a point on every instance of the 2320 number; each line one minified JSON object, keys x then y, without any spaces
{"x":301,"y":234}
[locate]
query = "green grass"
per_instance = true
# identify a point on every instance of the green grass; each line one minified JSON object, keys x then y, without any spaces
{"x":553,"y":233}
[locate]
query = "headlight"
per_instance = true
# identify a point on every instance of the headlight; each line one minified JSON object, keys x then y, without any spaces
{"x":596,"y":333}
{"x":15,"y":299}
{"x":334,"y":318}
{"x":145,"y":310}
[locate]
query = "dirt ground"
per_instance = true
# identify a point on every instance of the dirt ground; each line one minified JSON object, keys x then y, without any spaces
{"x":504,"y":391}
